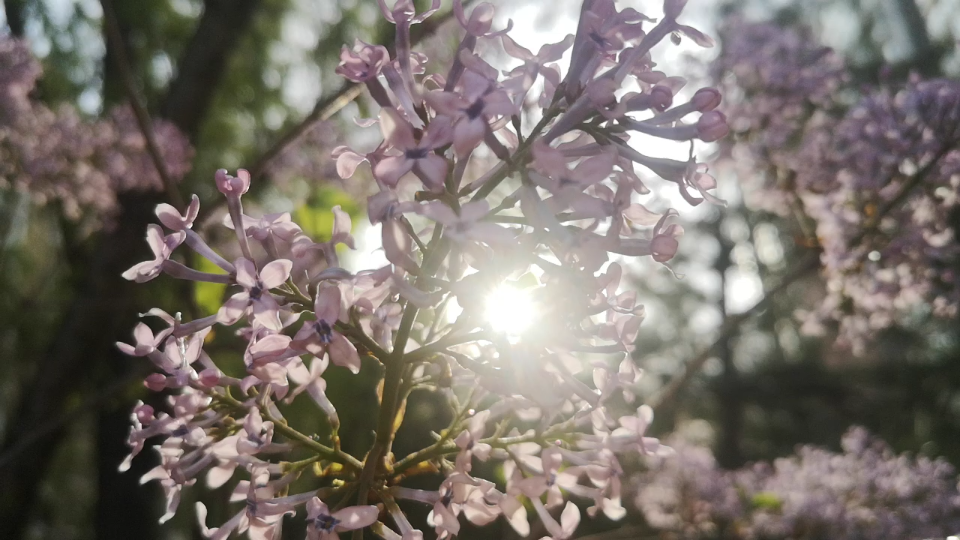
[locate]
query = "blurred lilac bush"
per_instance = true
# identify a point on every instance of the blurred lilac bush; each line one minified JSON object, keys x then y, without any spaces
{"x":876,"y":169}
{"x":864,"y":492}
{"x":58,"y":157}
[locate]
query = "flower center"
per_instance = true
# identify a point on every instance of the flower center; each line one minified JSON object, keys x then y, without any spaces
{"x":416,"y":153}
{"x":324,"y":331}
{"x":325,"y":523}
{"x":257,"y":291}
{"x":474,"y":111}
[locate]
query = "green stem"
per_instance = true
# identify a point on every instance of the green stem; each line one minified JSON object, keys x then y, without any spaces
{"x":444,"y":447}
{"x":518,"y":159}
{"x":393,"y":377}
{"x":324,"y":452}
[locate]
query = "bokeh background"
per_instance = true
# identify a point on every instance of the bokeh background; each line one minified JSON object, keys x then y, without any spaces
{"x":235,"y":78}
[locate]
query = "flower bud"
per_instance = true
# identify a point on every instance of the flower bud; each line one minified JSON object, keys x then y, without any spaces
{"x":712,"y":126}
{"x":232,"y":186}
{"x":661,"y":97}
{"x":155,"y":382}
{"x":706,"y":99}
{"x":210,"y":377}
{"x":664,"y":247}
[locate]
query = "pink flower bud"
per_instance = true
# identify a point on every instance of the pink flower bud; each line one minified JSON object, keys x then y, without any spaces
{"x":155,"y":382}
{"x":712,"y":126}
{"x":664,"y":247}
{"x":706,"y":99}
{"x":144,"y":413}
{"x":210,"y":377}
{"x":232,"y":186}
{"x":661,"y":97}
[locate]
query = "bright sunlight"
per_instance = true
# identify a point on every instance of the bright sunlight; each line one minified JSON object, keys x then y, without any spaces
{"x":509,"y":310}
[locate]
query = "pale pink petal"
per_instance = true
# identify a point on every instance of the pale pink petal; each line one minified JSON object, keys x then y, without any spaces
{"x":344,"y":354}
{"x":391,"y":169}
{"x":594,"y":169}
{"x":499,"y":103}
{"x":266,"y":311}
{"x":356,"y":517}
{"x":246,"y":272}
{"x":515,"y":50}
{"x":468,"y":134}
{"x":551,"y":52}
{"x":220,"y":474}
{"x":639,"y":214}
{"x":155,"y":240}
{"x":445,"y":102}
{"x":341,"y":227}
{"x":439,"y":133}
{"x":347,"y":162}
{"x":327,"y":305}
{"x":169,"y":216}
{"x":569,"y":519}
{"x":432,"y":170}
{"x":233,"y":309}
{"x":439,"y":212}
{"x":396,"y":131}
{"x":274,"y":274}
{"x":492,"y":234}
{"x":474,"y":211}
{"x":397,"y":245}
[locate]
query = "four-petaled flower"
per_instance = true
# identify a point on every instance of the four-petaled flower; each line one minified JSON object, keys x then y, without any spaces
{"x":162,"y":247}
{"x":319,"y":337}
{"x":256,"y":293}
{"x":324,"y":525}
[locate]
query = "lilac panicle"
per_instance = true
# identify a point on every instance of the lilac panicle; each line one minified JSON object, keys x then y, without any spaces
{"x":876,"y":176}
{"x":473,"y":204}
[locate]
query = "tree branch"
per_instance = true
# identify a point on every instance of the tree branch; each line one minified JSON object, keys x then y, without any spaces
{"x":112,"y":30}
{"x":204,"y":61}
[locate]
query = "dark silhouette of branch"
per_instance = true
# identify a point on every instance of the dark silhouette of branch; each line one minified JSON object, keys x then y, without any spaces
{"x":16,"y":16}
{"x":112,"y":31}
{"x":203,"y":63}
{"x":730,"y":326}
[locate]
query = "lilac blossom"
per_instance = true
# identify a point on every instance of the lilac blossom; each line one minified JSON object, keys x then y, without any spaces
{"x":546,"y":218}
{"x":877,"y":179}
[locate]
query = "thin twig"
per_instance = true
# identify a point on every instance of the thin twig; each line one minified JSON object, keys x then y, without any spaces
{"x":322,"y":111}
{"x":670,"y":392}
{"x":139,"y":111}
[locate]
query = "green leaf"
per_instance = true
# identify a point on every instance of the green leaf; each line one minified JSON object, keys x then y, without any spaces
{"x":209,"y":296}
{"x":766,"y":500}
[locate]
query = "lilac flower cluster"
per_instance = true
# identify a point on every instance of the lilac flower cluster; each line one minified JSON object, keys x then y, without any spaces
{"x":879,"y":179}
{"x":867,"y":491}
{"x":539,"y":227}
{"x":57,"y":156}
{"x":780,"y":85}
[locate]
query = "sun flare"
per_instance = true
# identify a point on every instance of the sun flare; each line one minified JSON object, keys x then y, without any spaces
{"x":509,"y":310}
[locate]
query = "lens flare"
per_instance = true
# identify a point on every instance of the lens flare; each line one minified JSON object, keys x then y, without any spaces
{"x":509,"y":310}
